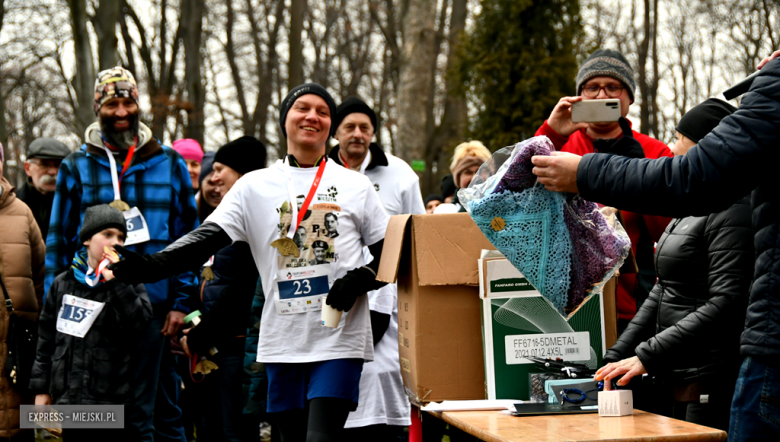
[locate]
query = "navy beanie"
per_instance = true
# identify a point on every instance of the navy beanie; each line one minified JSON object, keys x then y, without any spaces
{"x":242,"y":155}
{"x":206,"y":167}
{"x":304,"y":89}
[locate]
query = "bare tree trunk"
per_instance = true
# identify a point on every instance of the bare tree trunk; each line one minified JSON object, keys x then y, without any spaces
{"x":191,"y":25}
{"x":3,"y":129}
{"x":452,"y":127}
{"x":295,"y":65}
{"x":265,"y":76}
{"x":104,"y":22}
{"x":235,"y":72}
{"x":643,"y":51}
{"x":416,"y":79}
{"x":654,"y":111}
{"x":160,"y":81}
{"x":85,"y":68}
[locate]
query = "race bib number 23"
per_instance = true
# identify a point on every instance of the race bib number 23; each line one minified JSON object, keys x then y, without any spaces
{"x":301,"y":290}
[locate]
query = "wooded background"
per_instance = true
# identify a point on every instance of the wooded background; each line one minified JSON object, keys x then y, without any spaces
{"x":437,"y":72}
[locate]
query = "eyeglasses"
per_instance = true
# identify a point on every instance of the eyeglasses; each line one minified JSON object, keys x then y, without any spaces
{"x":45,"y":164}
{"x":612,"y":90}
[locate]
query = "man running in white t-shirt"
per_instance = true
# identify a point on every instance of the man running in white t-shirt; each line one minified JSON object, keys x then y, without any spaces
{"x":383,"y":409}
{"x":313,"y":370}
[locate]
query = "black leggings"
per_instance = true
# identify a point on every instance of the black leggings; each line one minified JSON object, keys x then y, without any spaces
{"x":322,"y":421}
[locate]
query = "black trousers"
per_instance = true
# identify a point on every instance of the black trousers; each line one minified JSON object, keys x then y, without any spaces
{"x":374,"y":433}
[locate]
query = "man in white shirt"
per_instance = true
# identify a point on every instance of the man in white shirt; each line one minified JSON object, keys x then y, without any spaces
{"x":313,"y":370}
{"x":383,"y":409}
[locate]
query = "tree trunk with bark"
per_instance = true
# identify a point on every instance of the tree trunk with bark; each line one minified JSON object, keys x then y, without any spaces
{"x":452,"y":128}
{"x":192,"y":25}
{"x":295,"y":64}
{"x":416,"y":80}
{"x":85,"y":68}
{"x":104,"y":22}
{"x":3,"y":129}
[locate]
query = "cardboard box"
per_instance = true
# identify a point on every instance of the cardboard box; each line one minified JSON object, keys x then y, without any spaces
{"x":434,"y":259}
{"x":616,"y":403}
{"x":519,"y":322}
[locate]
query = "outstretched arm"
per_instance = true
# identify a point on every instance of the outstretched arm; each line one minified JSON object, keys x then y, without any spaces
{"x":725,"y":165}
{"x":188,"y":252}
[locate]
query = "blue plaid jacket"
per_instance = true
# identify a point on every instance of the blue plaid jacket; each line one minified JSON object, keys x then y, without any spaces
{"x":158,"y":183}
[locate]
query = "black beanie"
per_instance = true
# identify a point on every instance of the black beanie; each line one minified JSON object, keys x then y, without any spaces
{"x":242,"y":155}
{"x":99,"y":218}
{"x":448,"y":186}
{"x":306,"y":88}
{"x":433,"y":197}
{"x":353,"y":105}
{"x":702,"y":118}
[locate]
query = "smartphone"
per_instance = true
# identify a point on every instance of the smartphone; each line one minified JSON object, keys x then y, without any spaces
{"x":595,"y":111}
{"x":741,"y":87}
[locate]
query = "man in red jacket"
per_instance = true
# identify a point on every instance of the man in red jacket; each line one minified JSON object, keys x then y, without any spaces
{"x":607,"y":74}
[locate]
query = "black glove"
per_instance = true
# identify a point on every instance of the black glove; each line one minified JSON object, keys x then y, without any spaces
{"x":135,"y":268}
{"x":626,"y":145}
{"x":345,"y":290}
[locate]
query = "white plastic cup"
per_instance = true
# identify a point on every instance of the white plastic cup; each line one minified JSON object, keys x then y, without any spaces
{"x":330,"y":316}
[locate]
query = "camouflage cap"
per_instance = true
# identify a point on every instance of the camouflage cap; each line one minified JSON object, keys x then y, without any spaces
{"x":113,"y":83}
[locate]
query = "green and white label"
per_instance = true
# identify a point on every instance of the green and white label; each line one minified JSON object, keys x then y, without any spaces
{"x":573,"y":346}
{"x":510,"y":285}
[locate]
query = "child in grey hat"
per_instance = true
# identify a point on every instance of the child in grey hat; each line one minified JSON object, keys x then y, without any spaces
{"x":87,"y":326}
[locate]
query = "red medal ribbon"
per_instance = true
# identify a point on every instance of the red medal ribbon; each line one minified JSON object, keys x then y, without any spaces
{"x":310,"y":196}
{"x":128,"y":158}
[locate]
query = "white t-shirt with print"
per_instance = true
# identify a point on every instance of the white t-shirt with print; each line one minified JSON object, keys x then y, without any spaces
{"x":382,"y":396}
{"x":257,"y":210}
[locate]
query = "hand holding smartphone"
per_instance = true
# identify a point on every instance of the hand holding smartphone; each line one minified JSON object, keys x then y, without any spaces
{"x":596,"y":111}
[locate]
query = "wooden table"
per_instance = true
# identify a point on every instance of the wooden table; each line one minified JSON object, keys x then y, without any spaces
{"x":495,"y":426}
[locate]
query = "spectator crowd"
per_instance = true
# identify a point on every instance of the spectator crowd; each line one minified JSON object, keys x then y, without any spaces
{"x":188,"y":287}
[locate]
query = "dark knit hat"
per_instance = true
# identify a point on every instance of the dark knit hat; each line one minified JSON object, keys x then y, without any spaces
{"x":353,"y":105}
{"x":304,"y":89}
{"x":607,"y":63}
{"x":242,"y":155}
{"x":99,"y":218}
{"x":448,"y":186}
{"x":702,"y":118}
{"x":433,"y":197}
{"x":206,"y":167}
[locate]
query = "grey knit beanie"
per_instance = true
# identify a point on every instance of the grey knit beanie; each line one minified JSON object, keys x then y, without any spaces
{"x":99,"y":218}
{"x":607,"y":63}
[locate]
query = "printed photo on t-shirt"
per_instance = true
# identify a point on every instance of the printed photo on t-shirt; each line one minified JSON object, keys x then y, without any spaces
{"x":315,"y":237}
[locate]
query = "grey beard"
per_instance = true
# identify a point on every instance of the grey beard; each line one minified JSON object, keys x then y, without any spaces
{"x":123,"y":139}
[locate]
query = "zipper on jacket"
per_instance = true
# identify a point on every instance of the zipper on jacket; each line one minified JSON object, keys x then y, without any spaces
{"x":663,"y":288}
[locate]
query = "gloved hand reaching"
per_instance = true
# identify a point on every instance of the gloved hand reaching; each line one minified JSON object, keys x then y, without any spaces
{"x":135,"y":268}
{"x":626,"y":145}
{"x":345,"y":290}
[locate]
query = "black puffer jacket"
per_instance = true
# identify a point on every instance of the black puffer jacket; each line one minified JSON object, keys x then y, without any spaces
{"x":227,"y":299}
{"x":94,"y":369}
{"x":696,"y":312}
{"x":740,"y":155}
